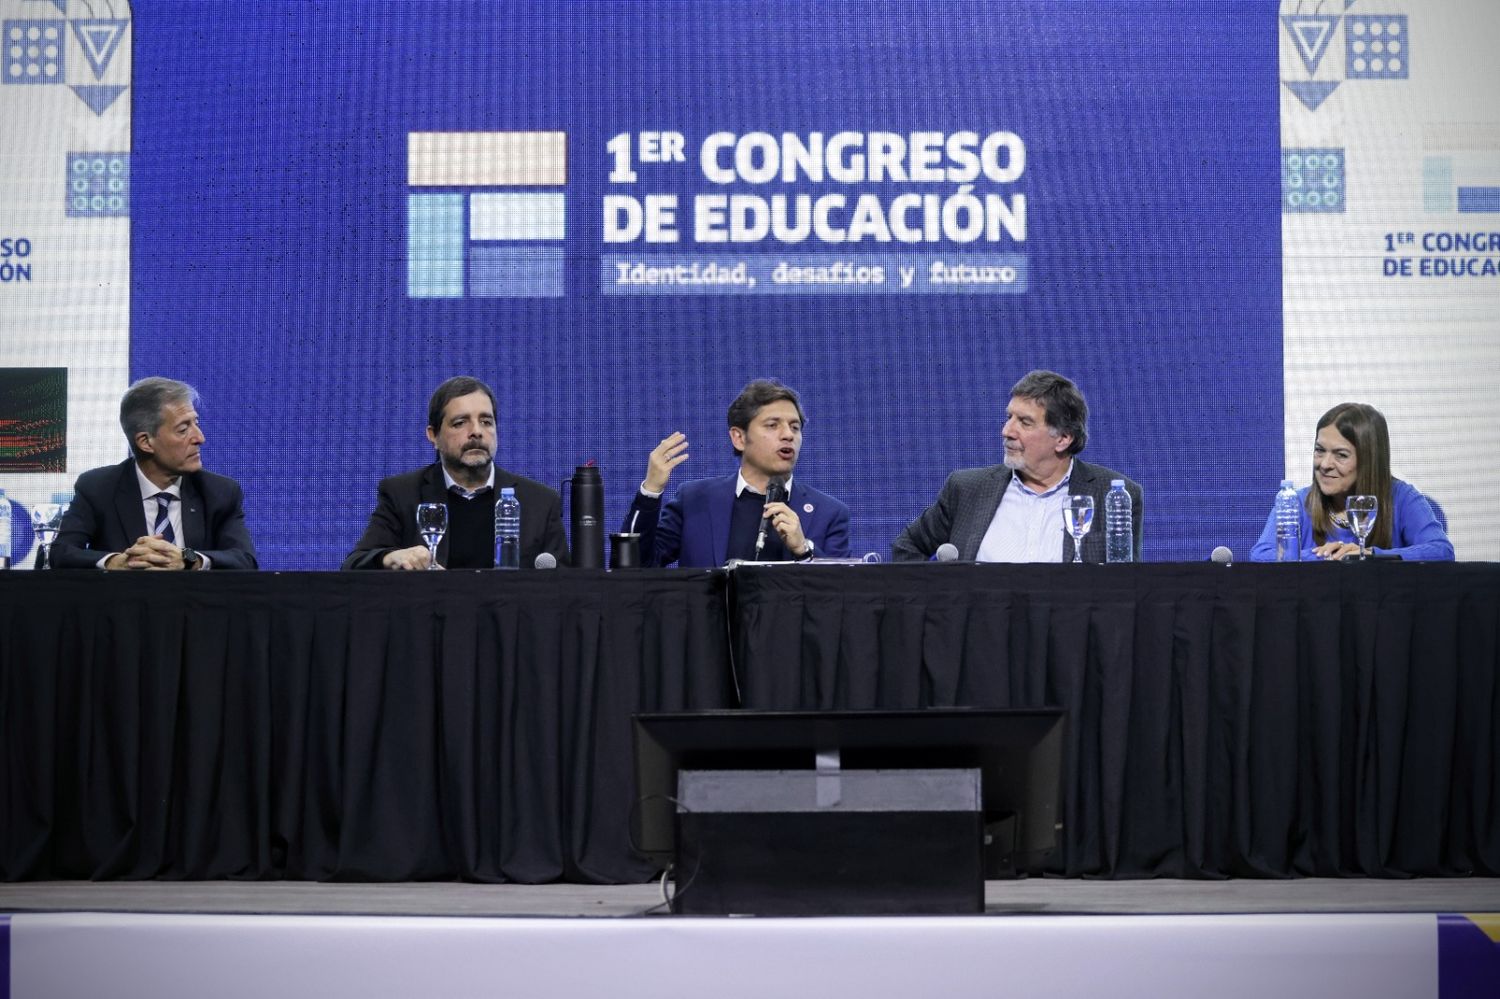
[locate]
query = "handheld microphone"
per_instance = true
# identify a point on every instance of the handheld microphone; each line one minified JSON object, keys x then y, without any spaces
{"x":546,"y":560}
{"x":775,"y":493}
{"x":947,"y":552}
{"x":1222,"y":555}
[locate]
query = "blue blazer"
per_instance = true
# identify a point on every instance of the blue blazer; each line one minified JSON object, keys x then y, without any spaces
{"x":106,"y":515}
{"x":1416,"y":533}
{"x":692,"y":529}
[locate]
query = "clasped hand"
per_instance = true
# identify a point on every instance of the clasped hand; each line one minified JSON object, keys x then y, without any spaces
{"x":149,"y":552}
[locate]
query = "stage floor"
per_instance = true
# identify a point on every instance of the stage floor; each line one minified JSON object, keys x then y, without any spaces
{"x":1066,"y":939}
{"x":1031,"y":897}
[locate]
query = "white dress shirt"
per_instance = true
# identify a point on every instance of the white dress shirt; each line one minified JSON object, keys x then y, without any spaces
{"x":740,"y":485}
{"x":149,"y":490}
{"x":1028,"y":525}
{"x":463,"y":491}
{"x":149,"y":506}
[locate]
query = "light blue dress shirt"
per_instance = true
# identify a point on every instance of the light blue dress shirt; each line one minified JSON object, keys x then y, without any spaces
{"x":1027,"y":526}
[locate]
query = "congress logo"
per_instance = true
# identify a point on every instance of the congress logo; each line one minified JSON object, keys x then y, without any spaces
{"x":486,"y":214}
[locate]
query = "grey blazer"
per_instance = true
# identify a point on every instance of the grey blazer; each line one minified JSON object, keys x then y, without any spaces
{"x":968,"y":501}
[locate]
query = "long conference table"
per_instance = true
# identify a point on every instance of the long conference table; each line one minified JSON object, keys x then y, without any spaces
{"x":1261,"y":721}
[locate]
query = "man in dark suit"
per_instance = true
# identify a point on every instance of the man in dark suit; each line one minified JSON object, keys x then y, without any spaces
{"x":710,"y":521}
{"x":461,"y":428}
{"x":1013,"y":512}
{"x":157,"y":509}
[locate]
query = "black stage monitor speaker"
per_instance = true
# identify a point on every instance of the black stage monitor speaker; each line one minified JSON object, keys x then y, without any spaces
{"x":818,"y":813}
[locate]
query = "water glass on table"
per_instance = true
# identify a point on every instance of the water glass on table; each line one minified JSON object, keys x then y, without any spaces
{"x":432,"y":524}
{"x":1078,"y":515}
{"x":46,"y":520}
{"x":1362,"y":511}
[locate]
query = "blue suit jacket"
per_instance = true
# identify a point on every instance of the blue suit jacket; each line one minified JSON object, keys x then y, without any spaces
{"x":693,"y":528}
{"x":1416,"y":533}
{"x":106,"y":516}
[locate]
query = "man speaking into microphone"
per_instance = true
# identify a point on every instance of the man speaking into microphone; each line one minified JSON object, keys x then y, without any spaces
{"x":760,"y":513}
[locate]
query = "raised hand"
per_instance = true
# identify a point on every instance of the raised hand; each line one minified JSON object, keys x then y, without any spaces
{"x":666,"y":456}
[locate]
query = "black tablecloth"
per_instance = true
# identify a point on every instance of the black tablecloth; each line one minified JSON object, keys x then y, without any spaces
{"x":1327,"y":719}
{"x":361,"y":726}
{"x":1249,"y":720}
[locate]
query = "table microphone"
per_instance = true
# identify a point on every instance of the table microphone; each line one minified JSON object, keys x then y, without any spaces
{"x":546,"y":560}
{"x":775,"y":493}
{"x":947,"y":552}
{"x":1222,"y":555}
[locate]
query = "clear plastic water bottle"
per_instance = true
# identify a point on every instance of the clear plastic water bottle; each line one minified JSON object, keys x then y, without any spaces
{"x":1119,"y":542}
{"x":4,"y":530}
{"x":1288,"y":523}
{"x":507,"y":530}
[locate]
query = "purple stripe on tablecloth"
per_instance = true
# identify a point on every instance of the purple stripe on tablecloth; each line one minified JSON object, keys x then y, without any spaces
{"x":1468,"y":957}
{"x":4,"y":957}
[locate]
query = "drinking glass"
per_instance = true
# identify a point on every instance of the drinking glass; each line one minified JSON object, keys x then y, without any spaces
{"x":432,"y":524}
{"x":1078,"y":514}
{"x":1362,"y":511}
{"x":46,"y":518}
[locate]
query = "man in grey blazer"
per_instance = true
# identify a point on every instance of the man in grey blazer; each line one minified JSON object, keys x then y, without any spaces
{"x":1013,"y":512}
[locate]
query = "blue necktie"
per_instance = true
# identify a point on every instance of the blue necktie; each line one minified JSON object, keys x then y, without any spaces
{"x":164,"y":517}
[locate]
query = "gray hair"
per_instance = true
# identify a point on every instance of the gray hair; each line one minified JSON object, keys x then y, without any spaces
{"x":1063,"y":404}
{"x":141,"y":408}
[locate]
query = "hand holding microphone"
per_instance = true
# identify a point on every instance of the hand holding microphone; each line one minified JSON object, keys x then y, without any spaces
{"x":776,"y":513}
{"x":788,"y":525}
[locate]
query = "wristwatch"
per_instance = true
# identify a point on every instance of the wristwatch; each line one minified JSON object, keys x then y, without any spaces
{"x":806,"y":553}
{"x":191,"y":559}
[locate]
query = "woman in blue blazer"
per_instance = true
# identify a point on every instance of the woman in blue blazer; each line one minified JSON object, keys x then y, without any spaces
{"x":1352,"y":457}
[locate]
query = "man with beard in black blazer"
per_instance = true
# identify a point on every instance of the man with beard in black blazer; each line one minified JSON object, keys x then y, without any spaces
{"x":157,"y":509}
{"x":461,"y":428}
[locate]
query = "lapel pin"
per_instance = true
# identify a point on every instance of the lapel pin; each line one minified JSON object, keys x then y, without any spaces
{"x":807,"y":508}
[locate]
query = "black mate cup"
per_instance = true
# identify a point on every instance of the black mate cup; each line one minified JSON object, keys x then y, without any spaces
{"x":626,"y":550}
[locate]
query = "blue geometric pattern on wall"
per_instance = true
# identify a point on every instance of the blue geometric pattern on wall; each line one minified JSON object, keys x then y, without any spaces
{"x":1312,"y":180}
{"x":33,"y":51}
{"x":98,"y":185}
{"x":435,"y":245}
{"x":1376,"y":47}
